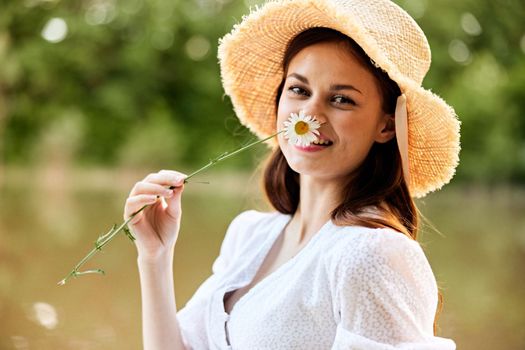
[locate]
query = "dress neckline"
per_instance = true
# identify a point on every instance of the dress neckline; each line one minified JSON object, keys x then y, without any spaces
{"x":276,"y":232}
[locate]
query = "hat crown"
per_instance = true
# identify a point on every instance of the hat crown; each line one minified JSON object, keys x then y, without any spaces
{"x":394,"y":39}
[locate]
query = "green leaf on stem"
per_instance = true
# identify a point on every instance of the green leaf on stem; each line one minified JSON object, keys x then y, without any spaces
{"x":128,"y":233}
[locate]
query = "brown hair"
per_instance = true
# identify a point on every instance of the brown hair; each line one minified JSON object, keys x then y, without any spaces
{"x":376,"y":194}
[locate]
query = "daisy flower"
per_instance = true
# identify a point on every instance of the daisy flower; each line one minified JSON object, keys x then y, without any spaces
{"x":301,"y":129}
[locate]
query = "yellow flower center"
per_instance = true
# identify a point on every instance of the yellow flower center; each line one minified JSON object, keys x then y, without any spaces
{"x":301,"y":128}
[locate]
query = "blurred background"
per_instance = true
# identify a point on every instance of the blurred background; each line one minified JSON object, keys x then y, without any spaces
{"x":96,"y":94}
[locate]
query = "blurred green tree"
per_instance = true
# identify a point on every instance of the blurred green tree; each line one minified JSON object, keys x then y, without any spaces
{"x":135,"y":70}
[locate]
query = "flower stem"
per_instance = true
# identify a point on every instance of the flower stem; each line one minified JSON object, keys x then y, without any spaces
{"x":228,"y":155}
{"x":104,"y":239}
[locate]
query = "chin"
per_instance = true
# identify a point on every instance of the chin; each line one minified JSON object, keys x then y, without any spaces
{"x":315,"y":168}
{"x":306,"y":167}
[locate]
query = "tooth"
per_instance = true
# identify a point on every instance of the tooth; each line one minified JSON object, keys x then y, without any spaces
{"x":322,"y":142}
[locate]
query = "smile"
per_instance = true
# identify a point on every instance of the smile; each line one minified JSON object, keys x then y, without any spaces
{"x":315,"y":147}
{"x":322,"y":142}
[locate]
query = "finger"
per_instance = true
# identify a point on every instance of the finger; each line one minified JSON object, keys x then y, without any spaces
{"x":173,"y":172}
{"x":173,"y":203}
{"x":166,"y":178}
{"x":135,"y":203}
{"x":150,"y":188}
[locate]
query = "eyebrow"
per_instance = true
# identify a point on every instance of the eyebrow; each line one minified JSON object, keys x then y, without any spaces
{"x":335,"y":87}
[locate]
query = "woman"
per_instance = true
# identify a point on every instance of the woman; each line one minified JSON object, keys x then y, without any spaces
{"x":337,"y":265}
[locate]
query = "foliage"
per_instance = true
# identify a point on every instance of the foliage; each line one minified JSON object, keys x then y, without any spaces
{"x":141,"y":80}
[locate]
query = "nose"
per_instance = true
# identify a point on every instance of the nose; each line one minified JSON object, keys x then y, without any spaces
{"x":320,"y":117}
{"x":315,"y":108}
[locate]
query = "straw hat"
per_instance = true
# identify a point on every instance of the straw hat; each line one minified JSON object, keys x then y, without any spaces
{"x":426,"y":126}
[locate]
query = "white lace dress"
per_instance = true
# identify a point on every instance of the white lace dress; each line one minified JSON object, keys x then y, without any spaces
{"x":348,"y":288}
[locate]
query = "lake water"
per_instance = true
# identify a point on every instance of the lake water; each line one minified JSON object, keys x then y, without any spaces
{"x":47,"y":226}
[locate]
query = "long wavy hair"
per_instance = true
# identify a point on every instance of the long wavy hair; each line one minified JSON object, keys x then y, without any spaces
{"x":376,"y":194}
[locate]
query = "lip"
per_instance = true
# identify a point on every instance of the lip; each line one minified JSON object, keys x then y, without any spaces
{"x":310,"y":148}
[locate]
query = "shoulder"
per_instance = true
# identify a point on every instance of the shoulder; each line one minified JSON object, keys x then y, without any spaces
{"x":374,"y":255}
{"x":364,"y":243}
{"x":244,"y":235}
{"x":250,"y":225}
{"x":250,"y":219}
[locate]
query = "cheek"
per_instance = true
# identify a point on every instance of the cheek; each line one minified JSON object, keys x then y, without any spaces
{"x":283,"y":112}
{"x":355,"y":140}
{"x":286,"y":106}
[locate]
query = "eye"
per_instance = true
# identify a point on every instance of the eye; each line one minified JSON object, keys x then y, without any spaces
{"x":341,"y":99}
{"x":297,"y":90}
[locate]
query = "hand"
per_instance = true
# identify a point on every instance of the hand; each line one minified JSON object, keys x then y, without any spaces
{"x":156,"y":228}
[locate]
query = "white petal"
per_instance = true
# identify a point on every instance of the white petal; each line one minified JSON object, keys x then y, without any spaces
{"x":305,"y":142}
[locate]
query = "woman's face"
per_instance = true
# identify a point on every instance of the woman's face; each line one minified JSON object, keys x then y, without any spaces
{"x":326,"y":81}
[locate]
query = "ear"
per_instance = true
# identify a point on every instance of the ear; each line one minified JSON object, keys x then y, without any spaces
{"x":386,"y":128}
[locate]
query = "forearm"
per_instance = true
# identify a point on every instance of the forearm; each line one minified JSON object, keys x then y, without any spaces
{"x":160,"y":328}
